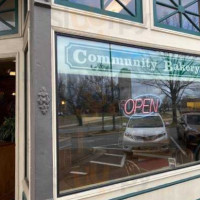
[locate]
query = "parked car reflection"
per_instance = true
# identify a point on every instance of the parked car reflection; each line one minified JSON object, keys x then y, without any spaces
{"x":188,"y":128}
{"x":145,"y":132}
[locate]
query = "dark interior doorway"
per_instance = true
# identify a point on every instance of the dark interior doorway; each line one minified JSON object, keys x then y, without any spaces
{"x":7,"y":129}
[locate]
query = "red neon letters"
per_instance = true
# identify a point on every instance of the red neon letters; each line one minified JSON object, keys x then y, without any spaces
{"x":139,"y":105}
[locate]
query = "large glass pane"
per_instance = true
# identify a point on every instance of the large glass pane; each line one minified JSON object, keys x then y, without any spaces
{"x":123,"y":111}
{"x":91,"y":3}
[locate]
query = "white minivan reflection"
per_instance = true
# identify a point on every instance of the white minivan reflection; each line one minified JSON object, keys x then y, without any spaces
{"x":145,"y":132}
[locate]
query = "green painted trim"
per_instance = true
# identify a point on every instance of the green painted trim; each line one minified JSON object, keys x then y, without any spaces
{"x":137,"y":18}
{"x":134,"y":194}
{"x":15,"y":29}
{"x":165,"y":26}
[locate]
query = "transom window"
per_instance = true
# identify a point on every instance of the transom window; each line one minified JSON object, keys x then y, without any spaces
{"x":180,"y":15}
{"x":127,"y":9}
{"x":8,"y":17}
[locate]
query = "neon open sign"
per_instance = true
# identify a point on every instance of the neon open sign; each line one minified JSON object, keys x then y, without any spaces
{"x":144,"y":104}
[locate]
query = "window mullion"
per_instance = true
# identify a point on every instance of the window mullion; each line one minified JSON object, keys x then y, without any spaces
{"x":181,"y":20}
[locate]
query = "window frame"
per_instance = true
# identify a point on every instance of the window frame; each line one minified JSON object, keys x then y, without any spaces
{"x":115,"y":181}
{"x":138,"y":17}
{"x":169,"y":27}
{"x":26,"y":160}
{"x":15,"y":30}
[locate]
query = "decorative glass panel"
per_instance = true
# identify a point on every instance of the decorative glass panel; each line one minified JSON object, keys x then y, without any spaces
{"x":127,"y":9}
{"x":8,"y":16}
{"x":181,"y":15}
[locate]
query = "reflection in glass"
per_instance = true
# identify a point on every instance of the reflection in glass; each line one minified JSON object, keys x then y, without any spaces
{"x":126,"y":7}
{"x":193,"y":119}
{"x":120,"y":112}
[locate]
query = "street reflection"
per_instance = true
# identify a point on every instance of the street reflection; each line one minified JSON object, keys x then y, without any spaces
{"x":99,"y":141}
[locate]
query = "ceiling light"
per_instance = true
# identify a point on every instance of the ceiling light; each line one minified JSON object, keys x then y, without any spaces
{"x":12,"y":73}
{"x":63,"y":102}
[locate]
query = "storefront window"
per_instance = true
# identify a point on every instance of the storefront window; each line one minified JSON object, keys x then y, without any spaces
{"x":123,"y":111}
{"x":8,"y":17}
{"x":180,"y":15}
{"x":128,"y":9}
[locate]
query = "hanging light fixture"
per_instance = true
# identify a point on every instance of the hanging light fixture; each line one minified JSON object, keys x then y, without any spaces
{"x":12,"y":73}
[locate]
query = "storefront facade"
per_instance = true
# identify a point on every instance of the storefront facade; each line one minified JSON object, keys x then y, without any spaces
{"x":107,"y":98}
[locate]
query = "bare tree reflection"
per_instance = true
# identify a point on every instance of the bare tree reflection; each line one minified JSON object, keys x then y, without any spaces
{"x":86,"y":94}
{"x":172,"y":87}
{"x":74,"y":93}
